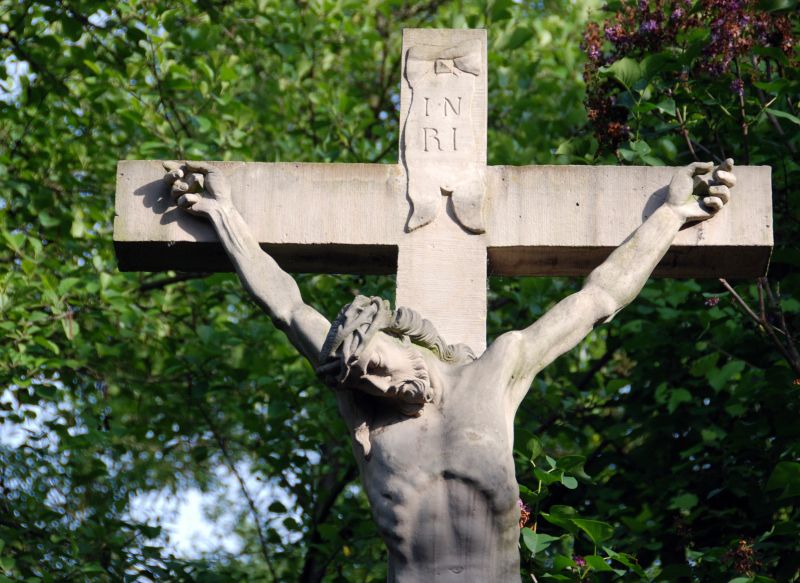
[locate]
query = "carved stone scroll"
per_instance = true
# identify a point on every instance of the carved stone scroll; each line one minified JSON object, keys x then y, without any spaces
{"x":443,"y":140}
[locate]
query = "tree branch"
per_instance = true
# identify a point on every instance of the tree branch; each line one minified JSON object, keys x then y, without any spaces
{"x":161,"y":283}
{"x":329,"y":487}
{"x":763,"y":323}
{"x":229,"y":462}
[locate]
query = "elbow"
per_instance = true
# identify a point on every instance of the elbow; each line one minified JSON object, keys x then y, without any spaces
{"x":600,"y":303}
{"x":282,"y":318}
{"x":286,"y":316}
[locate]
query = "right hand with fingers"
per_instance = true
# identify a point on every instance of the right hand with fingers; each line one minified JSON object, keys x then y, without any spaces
{"x":698,"y":191}
{"x":197,"y":187}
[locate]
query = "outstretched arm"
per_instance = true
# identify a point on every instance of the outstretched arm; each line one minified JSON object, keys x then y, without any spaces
{"x":203,"y":190}
{"x":618,"y":280}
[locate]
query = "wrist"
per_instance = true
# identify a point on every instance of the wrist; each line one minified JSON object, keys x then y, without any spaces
{"x":675,"y":212}
{"x":219,"y":210}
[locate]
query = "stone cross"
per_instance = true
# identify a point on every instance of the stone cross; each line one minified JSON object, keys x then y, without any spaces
{"x":441,"y":219}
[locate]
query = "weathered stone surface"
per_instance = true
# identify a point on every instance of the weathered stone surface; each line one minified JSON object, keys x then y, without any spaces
{"x":349,"y":218}
{"x":565,"y":220}
{"x":294,"y":209}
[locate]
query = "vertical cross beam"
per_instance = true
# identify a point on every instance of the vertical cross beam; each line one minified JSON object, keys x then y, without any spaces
{"x":441,"y":269}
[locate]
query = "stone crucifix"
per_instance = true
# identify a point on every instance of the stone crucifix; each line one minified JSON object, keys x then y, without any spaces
{"x":430,"y":411}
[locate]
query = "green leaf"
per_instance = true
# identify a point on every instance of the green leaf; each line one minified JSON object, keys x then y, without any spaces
{"x":777,"y":5}
{"x":667,"y":106}
{"x":596,"y":530}
{"x":570,"y":462}
{"x":277,"y":508}
{"x":683,"y":502}
{"x":597,"y":563}
{"x":626,"y":70}
{"x":328,"y":531}
{"x":78,"y":229}
{"x":652,"y":64}
{"x":93,"y":568}
{"x":569,"y":482}
{"x":718,"y":378}
{"x":499,"y":9}
{"x":7,"y":563}
{"x":67,"y":284}
{"x":562,"y":516}
{"x":536,"y":542}
{"x":785,"y":477}
{"x":47,"y":220}
{"x":640,"y":147}
{"x":514,"y":38}
{"x":92,"y":66}
{"x":561,"y":562}
{"x":627,"y":560}
{"x":652,"y":160}
{"x":704,"y":364}
{"x":535,"y":447}
{"x":48,"y":344}
{"x":676,"y":397}
{"x":547,"y":478}
{"x":15,"y":240}
{"x":784,"y":114}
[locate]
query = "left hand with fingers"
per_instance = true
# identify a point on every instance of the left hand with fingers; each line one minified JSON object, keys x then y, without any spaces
{"x":197,"y":187}
{"x":698,"y":191}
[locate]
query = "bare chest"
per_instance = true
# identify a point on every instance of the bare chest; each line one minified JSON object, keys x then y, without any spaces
{"x":464,"y":440}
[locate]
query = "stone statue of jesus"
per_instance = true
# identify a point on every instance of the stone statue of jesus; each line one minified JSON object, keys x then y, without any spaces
{"x":432,"y":424}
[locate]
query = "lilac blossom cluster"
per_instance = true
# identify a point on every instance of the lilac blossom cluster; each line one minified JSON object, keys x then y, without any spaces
{"x":524,"y":513}
{"x":727,"y":29}
{"x":734,"y":26}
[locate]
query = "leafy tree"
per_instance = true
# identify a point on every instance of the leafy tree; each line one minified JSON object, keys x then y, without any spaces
{"x":694,"y":393}
{"x":668,"y":437}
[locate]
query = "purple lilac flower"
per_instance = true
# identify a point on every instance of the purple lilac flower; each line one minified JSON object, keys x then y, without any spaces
{"x":649,"y":25}
{"x":613,"y":33}
{"x":524,"y":513}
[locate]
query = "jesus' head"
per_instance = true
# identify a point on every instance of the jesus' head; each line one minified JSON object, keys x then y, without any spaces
{"x":378,"y":351}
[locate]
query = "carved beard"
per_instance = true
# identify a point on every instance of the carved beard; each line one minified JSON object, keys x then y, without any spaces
{"x":408,"y":393}
{"x":417,"y":389}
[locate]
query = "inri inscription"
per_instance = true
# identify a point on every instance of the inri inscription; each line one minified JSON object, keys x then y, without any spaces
{"x":430,"y":135}
{"x":443,"y":137}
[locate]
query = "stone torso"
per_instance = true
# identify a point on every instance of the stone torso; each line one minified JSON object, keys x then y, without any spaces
{"x":442,"y":485}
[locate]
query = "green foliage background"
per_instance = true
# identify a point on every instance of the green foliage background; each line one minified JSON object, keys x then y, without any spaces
{"x":664,"y":448}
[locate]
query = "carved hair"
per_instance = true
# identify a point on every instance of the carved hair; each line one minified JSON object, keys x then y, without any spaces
{"x":420,"y":331}
{"x":350,"y":332}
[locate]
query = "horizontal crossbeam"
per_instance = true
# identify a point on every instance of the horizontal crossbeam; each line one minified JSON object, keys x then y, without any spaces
{"x":350,"y":218}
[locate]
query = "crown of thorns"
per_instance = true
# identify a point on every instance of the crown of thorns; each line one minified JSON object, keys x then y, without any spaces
{"x":351,"y":332}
